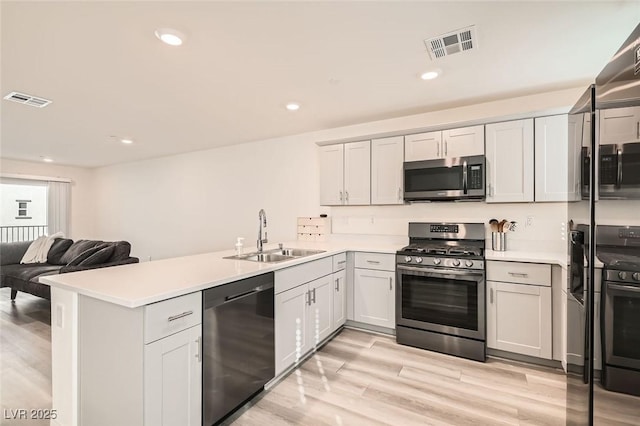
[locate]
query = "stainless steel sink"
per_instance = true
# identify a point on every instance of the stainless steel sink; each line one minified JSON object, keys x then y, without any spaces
{"x":295,"y":252}
{"x":275,"y":255}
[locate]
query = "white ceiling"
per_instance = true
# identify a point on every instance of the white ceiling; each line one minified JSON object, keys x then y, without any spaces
{"x":345,"y":62}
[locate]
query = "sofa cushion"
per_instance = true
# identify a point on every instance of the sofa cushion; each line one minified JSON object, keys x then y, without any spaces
{"x":12,"y":253}
{"x":76,"y":249}
{"x":57,"y":250}
{"x":16,"y":275}
{"x":86,"y":254}
{"x":99,"y":256}
{"x":121,"y":252}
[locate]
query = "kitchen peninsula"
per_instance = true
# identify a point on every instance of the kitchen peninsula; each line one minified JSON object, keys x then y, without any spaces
{"x":104,"y":323}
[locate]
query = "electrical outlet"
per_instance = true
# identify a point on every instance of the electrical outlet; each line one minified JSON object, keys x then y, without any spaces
{"x":529,"y":221}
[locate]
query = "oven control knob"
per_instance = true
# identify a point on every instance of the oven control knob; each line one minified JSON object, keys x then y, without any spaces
{"x":418,"y":260}
{"x":436,"y":261}
{"x":456,"y":262}
{"x":636,"y":276}
{"x":622,"y":275}
{"x":407,"y":259}
{"x":468,"y":263}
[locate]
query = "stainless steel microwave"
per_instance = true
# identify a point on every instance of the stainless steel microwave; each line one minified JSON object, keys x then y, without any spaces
{"x":461,"y":178}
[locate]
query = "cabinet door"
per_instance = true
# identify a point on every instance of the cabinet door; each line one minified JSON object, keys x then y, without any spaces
{"x":619,"y":125}
{"x":173,"y":379}
{"x":387,"y":156}
{"x":519,"y":318}
{"x":320,"y":312}
{"x":374,"y":297}
{"x":510,"y":161}
{"x":292,"y":339}
{"x":463,"y":142}
{"x":557,"y":158}
{"x":423,"y":146}
{"x":339,"y":298}
{"x":357,"y":173}
{"x":331,"y":174}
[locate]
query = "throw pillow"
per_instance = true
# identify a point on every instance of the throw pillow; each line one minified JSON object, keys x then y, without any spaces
{"x":76,"y":249}
{"x":98,"y":257}
{"x":85,"y":254}
{"x":57,"y":250}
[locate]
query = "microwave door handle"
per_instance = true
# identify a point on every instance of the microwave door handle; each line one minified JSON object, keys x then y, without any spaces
{"x":619,"y":159}
{"x":464,"y":177}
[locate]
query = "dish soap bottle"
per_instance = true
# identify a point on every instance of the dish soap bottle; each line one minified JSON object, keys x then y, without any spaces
{"x":239,"y":246}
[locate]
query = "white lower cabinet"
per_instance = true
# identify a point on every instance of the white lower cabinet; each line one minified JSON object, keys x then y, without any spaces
{"x":173,"y":379}
{"x":303,"y":318}
{"x":374,"y":297}
{"x":339,"y":298}
{"x":519,"y":318}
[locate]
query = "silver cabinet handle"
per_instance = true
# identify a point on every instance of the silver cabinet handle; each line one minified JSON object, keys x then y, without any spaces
{"x":314,"y":296}
{"x":182,"y":315}
{"x":518,"y":274}
{"x":374,"y":262}
{"x":346,"y":196}
{"x":199,"y":353}
{"x":307,"y":298}
{"x":489,"y":189}
{"x":491,"y":296}
{"x":390,"y":283}
{"x":341,"y":201}
{"x":337,"y":284}
{"x":399,"y":194}
{"x":638,"y":129}
{"x":445,"y":147}
{"x":438,"y":148}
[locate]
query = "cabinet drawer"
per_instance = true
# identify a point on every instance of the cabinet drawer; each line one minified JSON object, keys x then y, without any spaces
{"x":339,"y":262}
{"x":286,"y":279}
{"x":311,"y":229}
{"x":170,"y":316}
{"x":380,"y":261}
{"x":313,"y":221}
{"x":518,"y":272}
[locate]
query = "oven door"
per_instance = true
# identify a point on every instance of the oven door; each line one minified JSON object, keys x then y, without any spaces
{"x":621,"y":325}
{"x":446,"y":301}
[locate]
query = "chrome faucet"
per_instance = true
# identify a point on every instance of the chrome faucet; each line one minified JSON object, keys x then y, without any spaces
{"x":262,"y":218}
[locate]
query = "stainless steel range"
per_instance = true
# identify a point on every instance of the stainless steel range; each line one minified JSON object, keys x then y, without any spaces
{"x":440,"y":296}
{"x":619,"y":250}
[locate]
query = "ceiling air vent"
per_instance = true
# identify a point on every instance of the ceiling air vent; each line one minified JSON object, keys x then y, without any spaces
{"x":23,"y":98}
{"x":461,"y":40}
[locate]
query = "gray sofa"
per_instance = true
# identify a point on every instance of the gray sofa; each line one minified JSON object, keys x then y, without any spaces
{"x":64,"y":256}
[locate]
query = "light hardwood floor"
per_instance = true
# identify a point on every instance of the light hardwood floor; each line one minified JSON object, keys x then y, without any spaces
{"x":356,"y":379}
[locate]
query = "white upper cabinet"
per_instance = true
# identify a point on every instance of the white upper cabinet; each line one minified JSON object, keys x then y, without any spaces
{"x":619,"y":125}
{"x":463,"y":142}
{"x":509,"y":154}
{"x":422,"y":146}
{"x":387,"y":156}
{"x":345,"y":174}
{"x":558,"y":140}
{"x":331,"y":174}
{"x":451,"y":143}
{"x":357,"y":173}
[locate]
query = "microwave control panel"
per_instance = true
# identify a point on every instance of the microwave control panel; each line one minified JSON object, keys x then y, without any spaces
{"x":475,"y":176}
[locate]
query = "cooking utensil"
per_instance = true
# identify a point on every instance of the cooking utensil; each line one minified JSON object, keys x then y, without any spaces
{"x":501,"y":225}
{"x":493,"y":223}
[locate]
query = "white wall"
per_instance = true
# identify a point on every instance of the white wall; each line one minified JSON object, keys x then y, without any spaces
{"x":202,"y":201}
{"x":82,"y":194}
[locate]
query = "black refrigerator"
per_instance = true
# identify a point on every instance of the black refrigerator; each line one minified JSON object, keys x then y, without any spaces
{"x":606,"y":119}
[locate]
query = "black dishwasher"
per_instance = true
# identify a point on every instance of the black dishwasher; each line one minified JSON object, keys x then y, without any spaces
{"x":238,"y":344}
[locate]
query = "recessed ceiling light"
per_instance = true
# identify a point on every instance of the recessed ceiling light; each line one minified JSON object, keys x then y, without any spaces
{"x":170,"y":36}
{"x":126,"y":141}
{"x":429,"y":75}
{"x":47,"y":160}
{"x":292,"y":106}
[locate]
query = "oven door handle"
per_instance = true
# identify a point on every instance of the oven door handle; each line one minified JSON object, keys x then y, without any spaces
{"x":432,"y":272}
{"x":464,"y":178}
{"x":619,"y":166}
{"x":620,"y":287}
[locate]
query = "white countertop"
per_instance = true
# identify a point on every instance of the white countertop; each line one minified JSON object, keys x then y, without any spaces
{"x":528,"y":256}
{"x":144,"y":283}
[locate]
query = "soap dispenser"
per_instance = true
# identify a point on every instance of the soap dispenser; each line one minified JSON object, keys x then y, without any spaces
{"x":239,"y":246}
